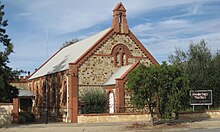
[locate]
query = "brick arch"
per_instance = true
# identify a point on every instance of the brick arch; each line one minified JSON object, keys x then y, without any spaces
{"x":121,"y":53}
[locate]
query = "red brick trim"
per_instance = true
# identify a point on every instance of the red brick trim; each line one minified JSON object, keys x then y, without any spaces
{"x":120,"y":95}
{"x":73,"y":93}
{"x":15,"y":110}
{"x":110,"y":55}
{"x":139,"y":57}
{"x":93,"y":48}
{"x":104,"y":55}
{"x":119,"y":22}
{"x":108,"y":91}
{"x":130,"y":69}
{"x":138,"y":43}
{"x":109,"y":87}
{"x":119,"y":7}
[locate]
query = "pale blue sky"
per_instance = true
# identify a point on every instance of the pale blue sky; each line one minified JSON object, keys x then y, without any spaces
{"x":160,"y":25}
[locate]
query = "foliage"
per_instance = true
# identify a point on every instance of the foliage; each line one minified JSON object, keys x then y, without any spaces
{"x":67,"y":43}
{"x":26,"y":117}
{"x":165,"y":85}
{"x":6,"y":73}
{"x":143,"y":84}
{"x":93,"y":101}
{"x":201,"y":67}
{"x":173,"y":91}
{"x":213,"y":79}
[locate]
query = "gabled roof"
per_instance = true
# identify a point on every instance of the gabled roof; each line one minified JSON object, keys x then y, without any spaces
{"x":120,"y":73}
{"x":78,"y":52}
{"x":60,"y":60}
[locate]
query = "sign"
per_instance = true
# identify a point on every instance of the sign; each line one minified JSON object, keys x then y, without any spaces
{"x":201,"y":97}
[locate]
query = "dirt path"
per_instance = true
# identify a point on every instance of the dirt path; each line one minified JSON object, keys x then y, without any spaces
{"x":111,"y":127}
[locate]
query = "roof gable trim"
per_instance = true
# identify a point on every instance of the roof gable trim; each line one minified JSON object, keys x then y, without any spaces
{"x":140,"y":45}
{"x":91,"y":50}
{"x":129,"y":70}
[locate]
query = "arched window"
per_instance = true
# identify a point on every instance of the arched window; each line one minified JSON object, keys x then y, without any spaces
{"x":44,"y":90}
{"x":64,"y":94}
{"x":36,"y":96}
{"x":111,"y":102}
{"x":53,"y":93}
{"x":121,"y":53}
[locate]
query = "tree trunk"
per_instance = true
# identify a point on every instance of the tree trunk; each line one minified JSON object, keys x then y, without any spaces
{"x":176,"y":115}
{"x":151,"y":115}
{"x":152,"y":119}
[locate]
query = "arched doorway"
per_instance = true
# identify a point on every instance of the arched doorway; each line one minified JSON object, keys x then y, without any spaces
{"x":111,"y":103}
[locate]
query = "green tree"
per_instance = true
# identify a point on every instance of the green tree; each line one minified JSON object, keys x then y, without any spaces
{"x":214,"y":79}
{"x":173,"y":91}
{"x":143,"y":84}
{"x":163,"y":87}
{"x":6,"y":73}
{"x":195,"y":63}
{"x":201,"y":67}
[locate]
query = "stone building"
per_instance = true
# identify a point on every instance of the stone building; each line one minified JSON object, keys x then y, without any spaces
{"x":100,"y":62}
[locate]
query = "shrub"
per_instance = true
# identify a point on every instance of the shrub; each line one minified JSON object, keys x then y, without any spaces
{"x":93,"y":101}
{"x":26,"y":117}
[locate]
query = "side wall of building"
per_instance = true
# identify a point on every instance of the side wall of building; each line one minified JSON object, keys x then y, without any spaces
{"x":57,"y":97}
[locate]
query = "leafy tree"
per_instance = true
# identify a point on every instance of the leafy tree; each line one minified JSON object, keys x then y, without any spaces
{"x":172,"y":92}
{"x":164,"y":88}
{"x":143,"y":84}
{"x":201,"y":67}
{"x":6,"y":73}
{"x":67,"y":43}
{"x":93,"y":101}
{"x":195,"y":63}
{"x":213,"y":79}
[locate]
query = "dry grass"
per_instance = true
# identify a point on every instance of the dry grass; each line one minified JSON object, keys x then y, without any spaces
{"x":147,"y":126}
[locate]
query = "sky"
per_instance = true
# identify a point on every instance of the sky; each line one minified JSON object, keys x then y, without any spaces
{"x":38,"y":28}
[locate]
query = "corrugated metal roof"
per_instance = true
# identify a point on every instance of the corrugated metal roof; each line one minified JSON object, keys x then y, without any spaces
{"x":117,"y":74}
{"x":25,"y":93}
{"x":69,"y":54}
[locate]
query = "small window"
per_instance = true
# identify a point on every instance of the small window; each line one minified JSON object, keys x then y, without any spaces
{"x":123,"y":59}
{"x":120,"y":17}
{"x":117,"y":59}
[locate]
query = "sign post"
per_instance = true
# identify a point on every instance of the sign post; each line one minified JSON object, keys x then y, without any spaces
{"x":201,"y":97}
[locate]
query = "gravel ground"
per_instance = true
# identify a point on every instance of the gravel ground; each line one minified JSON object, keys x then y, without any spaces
{"x":110,"y":127}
